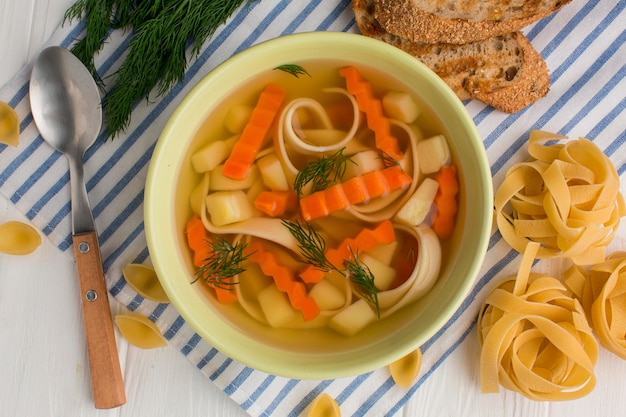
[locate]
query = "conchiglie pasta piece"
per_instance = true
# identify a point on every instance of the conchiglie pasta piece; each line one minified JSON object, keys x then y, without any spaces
{"x":9,"y":125}
{"x":324,"y":406}
{"x":140,"y":331}
{"x":405,"y":370}
{"x":17,"y":238}
{"x":145,"y":282}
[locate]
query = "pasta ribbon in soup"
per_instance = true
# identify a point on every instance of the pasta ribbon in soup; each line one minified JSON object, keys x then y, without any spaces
{"x":316,"y":216}
{"x":567,"y":198}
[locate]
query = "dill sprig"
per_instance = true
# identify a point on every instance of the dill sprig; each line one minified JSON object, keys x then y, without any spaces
{"x":312,"y":245}
{"x":162,"y":32}
{"x":322,"y":172}
{"x":223,"y":263}
{"x":363,"y":278}
{"x":388,"y":160}
{"x":295,"y":70}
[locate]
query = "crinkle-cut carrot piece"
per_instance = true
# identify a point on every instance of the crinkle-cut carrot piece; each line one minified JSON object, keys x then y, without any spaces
{"x":396,"y":178}
{"x":314,"y":206}
{"x":237,"y":165}
{"x":199,"y":240}
{"x":196,"y":233}
{"x":276,"y":202}
{"x":375,"y":184}
{"x":356,"y":190}
{"x":335,"y":198}
{"x":383,"y":233}
{"x":445,"y":200}
{"x":224,"y":295}
{"x":365,"y":240}
{"x":311,"y":275}
{"x":285,"y":280}
{"x":373,"y":109}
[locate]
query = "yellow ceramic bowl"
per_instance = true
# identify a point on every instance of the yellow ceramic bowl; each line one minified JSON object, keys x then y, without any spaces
{"x":305,"y":355}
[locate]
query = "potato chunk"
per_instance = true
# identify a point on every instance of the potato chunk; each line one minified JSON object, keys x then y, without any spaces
{"x":417,"y":208}
{"x":353,"y":319}
{"x":226,"y":207}
{"x":400,"y":106}
{"x":272,"y":173}
{"x":276,"y":307}
{"x":327,"y":296}
{"x":433,"y":153}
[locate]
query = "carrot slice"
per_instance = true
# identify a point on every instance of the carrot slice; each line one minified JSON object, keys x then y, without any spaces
{"x":199,"y":242}
{"x":365,"y":240}
{"x":445,"y":200}
{"x":276,"y":202}
{"x":285,"y":280}
{"x":224,"y":295}
{"x":356,"y":190}
{"x":376,"y":184}
{"x":373,"y":109}
{"x":335,"y":198}
{"x":396,"y":178}
{"x":237,"y":166}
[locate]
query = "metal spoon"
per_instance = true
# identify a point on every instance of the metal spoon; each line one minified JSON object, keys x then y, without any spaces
{"x":65,"y":103}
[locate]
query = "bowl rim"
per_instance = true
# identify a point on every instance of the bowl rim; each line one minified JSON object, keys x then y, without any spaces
{"x":161,"y":176}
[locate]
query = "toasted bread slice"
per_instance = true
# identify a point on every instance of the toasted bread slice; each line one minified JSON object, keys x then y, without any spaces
{"x":505,"y":72}
{"x":460,"y":21}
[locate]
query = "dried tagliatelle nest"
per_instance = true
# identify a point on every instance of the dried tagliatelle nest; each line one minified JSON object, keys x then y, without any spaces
{"x":566,"y":197}
{"x":535,"y":338}
{"x":602,"y":293}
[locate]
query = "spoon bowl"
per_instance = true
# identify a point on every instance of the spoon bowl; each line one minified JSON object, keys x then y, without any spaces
{"x":65,"y":102}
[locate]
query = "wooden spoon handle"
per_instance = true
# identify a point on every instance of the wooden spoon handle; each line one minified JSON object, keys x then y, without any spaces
{"x":106,"y":374}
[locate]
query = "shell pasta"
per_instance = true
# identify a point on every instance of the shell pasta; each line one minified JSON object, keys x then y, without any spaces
{"x":309,"y":207}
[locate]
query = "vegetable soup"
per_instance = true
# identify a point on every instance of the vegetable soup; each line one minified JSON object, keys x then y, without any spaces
{"x":325,"y":199}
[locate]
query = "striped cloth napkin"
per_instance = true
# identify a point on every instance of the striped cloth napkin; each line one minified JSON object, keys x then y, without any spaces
{"x":584,"y":45}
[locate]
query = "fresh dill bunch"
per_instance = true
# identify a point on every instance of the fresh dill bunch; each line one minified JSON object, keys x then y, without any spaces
{"x":322,"y":172}
{"x":363,"y":278}
{"x":97,"y":15}
{"x":162,"y":32}
{"x":295,"y":70}
{"x":312,"y":245}
{"x":223,"y":263}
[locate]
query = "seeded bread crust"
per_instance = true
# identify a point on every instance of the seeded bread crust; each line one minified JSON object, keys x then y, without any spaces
{"x":487,"y":9}
{"x":409,"y":20}
{"x":505,"y":72}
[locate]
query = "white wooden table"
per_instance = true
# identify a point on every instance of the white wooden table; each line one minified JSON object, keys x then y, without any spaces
{"x":43,"y":362}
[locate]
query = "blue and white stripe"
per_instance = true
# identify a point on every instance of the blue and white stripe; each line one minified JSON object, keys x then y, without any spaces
{"x":584,"y":45}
